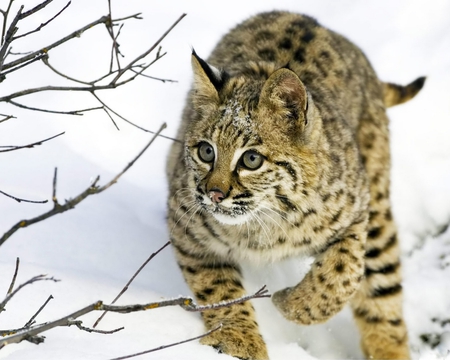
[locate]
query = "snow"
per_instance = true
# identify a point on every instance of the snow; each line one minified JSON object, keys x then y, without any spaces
{"x":95,"y":248}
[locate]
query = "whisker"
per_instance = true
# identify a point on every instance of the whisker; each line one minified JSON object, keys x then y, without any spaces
{"x":187,"y":212}
{"x":277,"y":213}
{"x":271,"y":218}
{"x":261,"y":223}
{"x":195,"y":212}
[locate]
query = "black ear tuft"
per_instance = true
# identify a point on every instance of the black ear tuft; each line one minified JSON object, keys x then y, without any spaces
{"x":217,"y":77}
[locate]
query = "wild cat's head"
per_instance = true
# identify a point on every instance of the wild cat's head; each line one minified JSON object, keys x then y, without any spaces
{"x":251,"y":140}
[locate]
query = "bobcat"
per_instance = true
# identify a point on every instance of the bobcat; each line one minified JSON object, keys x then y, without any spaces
{"x":285,"y":151}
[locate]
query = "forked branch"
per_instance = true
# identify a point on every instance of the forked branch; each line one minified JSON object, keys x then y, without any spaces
{"x":70,"y":204}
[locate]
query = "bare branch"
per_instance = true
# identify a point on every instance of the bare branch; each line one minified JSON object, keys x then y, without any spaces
{"x":45,"y":61}
{"x":35,"y":9}
{"x":155,"y":78}
{"x":169,"y":345}
{"x":5,"y":20}
{"x":106,"y":107}
{"x":46,"y":49}
{"x":79,"y":325}
{"x":125,"y":288}
{"x":9,"y":37}
{"x":71,"y":112}
{"x":37,"y":143}
{"x":24,"y":200}
{"x":43,"y":24}
{"x":31,"y":281}
{"x":70,"y":204}
{"x":37,"y":58}
{"x":31,"y":321}
{"x":13,"y":280}
{"x":185,"y":302}
{"x":128,"y":67}
{"x":6,"y":117}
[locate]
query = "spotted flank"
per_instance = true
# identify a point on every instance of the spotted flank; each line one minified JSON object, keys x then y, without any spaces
{"x":285,"y":152}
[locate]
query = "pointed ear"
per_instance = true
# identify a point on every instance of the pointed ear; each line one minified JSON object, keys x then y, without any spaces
{"x":208,"y":80}
{"x":284,"y":93}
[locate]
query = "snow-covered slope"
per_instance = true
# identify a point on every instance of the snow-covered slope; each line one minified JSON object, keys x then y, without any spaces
{"x":96,"y":247}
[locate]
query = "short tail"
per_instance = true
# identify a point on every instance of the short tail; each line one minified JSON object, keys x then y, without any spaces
{"x":397,"y":94}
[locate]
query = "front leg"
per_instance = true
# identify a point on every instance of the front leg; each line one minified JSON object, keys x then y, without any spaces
{"x":333,"y":279}
{"x":213,"y":280}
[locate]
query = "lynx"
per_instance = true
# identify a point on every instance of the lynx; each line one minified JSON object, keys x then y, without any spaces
{"x":285,"y":152}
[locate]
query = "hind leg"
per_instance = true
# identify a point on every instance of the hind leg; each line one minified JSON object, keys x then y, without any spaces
{"x":377,"y":305}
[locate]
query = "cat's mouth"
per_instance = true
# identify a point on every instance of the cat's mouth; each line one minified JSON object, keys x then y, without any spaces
{"x":231,"y":216}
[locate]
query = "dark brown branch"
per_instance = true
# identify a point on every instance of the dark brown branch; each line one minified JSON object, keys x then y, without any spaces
{"x":37,"y":143}
{"x":23,"y":200}
{"x":43,"y":24}
{"x":169,"y":345}
{"x":125,"y":288}
{"x":70,"y":204}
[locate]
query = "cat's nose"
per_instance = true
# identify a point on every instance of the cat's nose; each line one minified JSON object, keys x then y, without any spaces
{"x":216,"y":195}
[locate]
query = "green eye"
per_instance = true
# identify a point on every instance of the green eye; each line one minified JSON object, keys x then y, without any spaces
{"x":252,"y":160}
{"x":206,"y":152}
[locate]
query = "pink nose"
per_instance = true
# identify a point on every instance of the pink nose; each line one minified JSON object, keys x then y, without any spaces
{"x":216,"y":195}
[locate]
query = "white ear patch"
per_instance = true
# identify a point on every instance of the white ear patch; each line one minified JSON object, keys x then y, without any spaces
{"x":217,"y":73}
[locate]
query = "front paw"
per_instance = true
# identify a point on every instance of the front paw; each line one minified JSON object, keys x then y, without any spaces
{"x":241,"y":343}
{"x":283,"y":302}
{"x":306,"y":307}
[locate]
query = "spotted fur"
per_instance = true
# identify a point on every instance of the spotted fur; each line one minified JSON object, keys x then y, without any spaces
{"x":285,"y":151}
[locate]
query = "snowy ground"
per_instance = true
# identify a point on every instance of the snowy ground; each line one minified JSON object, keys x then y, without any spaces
{"x":95,"y":248}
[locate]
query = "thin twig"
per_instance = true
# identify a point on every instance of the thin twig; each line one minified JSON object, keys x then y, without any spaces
{"x":21,"y":286}
{"x":40,"y":142}
{"x":9,"y":37}
{"x":46,"y":62}
{"x":23,"y":200}
{"x":43,"y":24}
{"x":128,"y":67}
{"x":71,"y":112}
{"x":125,"y":288}
{"x":35,"y":9}
{"x":31,"y":321}
{"x":13,"y":281}
{"x":155,"y":78}
{"x":79,"y":325}
{"x":6,"y":117}
{"x":105,"y":109}
{"x":4,"y":73}
{"x":70,"y":204}
{"x":5,"y":20}
{"x":128,"y":121}
{"x":47,"y":48}
{"x":169,"y":345}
